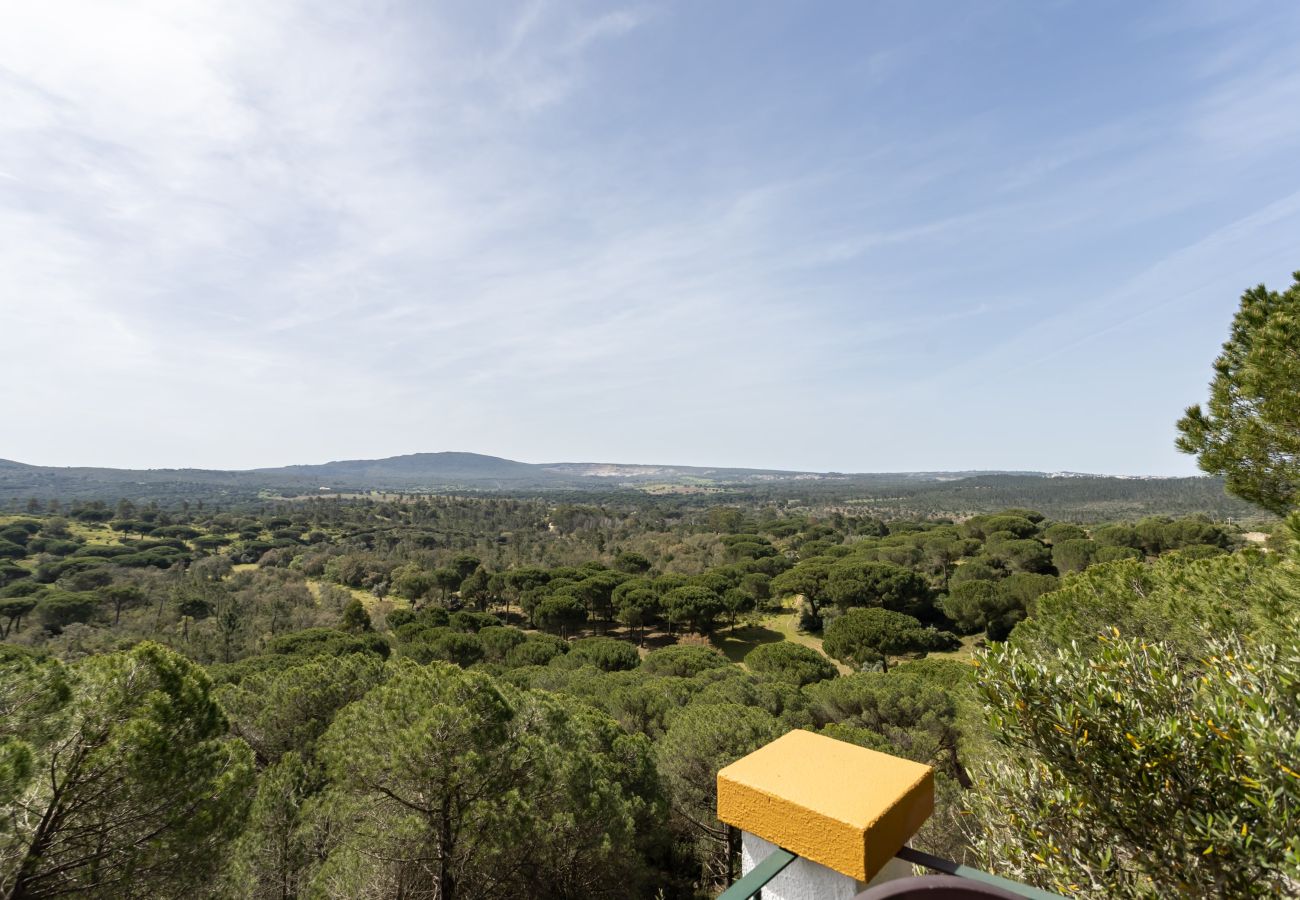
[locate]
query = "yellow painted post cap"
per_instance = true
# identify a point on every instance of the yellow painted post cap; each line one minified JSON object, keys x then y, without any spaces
{"x":844,"y":806}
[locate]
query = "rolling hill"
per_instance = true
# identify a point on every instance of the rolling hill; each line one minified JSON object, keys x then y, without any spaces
{"x":891,"y":494}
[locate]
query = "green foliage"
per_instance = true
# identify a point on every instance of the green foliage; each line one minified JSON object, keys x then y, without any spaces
{"x":954,"y":676}
{"x":59,"y":609}
{"x":778,"y":698}
{"x":700,"y":741}
{"x":446,"y":581}
{"x":735,"y":602}
{"x":536,"y":650}
{"x":1200,"y":551}
{"x":1173,"y":599}
{"x":289,"y":678}
{"x":499,"y":640}
{"x":464,"y":565}
{"x":606,"y":654}
{"x":1013,"y":600}
{"x":526,"y":578}
{"x":1107,"y":554}
{"x":121,"y":597}
{"x":184,"y":532}
{"x":1023,"y":555}
{"x":852,"y":583}
{"x":792,"y":663}
{"x":446,"y":644}
{"x":11,"y":572}
{"x":1132,"y":770}
{"x":636,"y":606}
{"x":1062,"y":531}
{"x":1023,"y":588}
{"x":980,"y":568}
{"x":911,"y":712}
{"x":1154,"y":535}
{"x":560,"y":613}
{"x":413,"y":583}
{"x":471,"y":622}
{"x":1018,"y":526}
{"x":1249,"y":431}
{"x":807,"y":579}
{"x":683,"y":660}
{"x":33,"y":694}
{"x":355,"y":618}
{"x":14,"y":609}
{"x":632,"y":563}
{"x":412,"y":621}
{"x":694,"y":606}
{"x":135,"y":790}
{"x":476,"y":588}
{"x":444,"y":783}
{"x":52,"y":546}
{"x":15,"y":534}
{"x":1073,"y":554}
{"x":970,"y":603}
{"x":275,"y":855}
{"x":327,"y":642}
{"x":287,"y":710}
{"x":863,"y":637}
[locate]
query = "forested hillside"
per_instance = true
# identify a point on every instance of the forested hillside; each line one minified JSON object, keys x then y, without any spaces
{"x":635,"y":649}
{"x":1076,"y":497}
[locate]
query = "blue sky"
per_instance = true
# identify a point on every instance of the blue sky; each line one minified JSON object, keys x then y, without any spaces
{"x":859,"y":236}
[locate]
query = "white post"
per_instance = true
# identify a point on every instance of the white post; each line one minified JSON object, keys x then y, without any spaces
{"x":804,"y":879}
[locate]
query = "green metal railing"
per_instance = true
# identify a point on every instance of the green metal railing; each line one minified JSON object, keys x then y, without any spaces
{"x":948,"y":867}
{"x":776,"y":861}
{"x":761,"y":874}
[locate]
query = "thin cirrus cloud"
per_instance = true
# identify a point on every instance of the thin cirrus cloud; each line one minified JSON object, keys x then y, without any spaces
{"x":874,"y":238}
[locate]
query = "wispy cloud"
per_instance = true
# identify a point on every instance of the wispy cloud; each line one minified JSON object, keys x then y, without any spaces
{"x":280,"y":232}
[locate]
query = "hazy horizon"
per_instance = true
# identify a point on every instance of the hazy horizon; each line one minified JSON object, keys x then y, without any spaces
{"x":865,"y":238}
{"x":607,"y":462}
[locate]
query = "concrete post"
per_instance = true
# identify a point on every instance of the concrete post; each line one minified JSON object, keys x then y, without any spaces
{"x":804,"y":879}
{"x":843,"y":809}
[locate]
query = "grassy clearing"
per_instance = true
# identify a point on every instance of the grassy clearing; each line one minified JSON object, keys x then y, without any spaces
{"x":964,"y":653}
{"x":92,"y":533}
{"x":768,"y":629}
{"x":737,"y":644}
{"x":784,"y":626}
{"x":368,"y":600}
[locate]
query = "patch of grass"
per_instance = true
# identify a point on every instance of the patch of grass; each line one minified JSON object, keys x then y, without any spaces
{"x":92,"y":533}
{"x":964,"y":653}
{"x":367,"y":599}
{"x":769,"y":629}
{"x":737,"y":644}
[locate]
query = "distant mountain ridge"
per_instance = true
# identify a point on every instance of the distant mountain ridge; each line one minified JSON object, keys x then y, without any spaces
{"x":425,"y":471}
{"x":415,"y":471}
{"x":898,"y":494}
{"x":447,"y":465}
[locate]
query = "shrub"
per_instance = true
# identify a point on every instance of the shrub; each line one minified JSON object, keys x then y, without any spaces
{"x":447,"y":645}
{"x":536,"y":650}
{"x":683,"y":660}
{"x":59,"y":609}
{"x":499,"y":640}
{"x":327,"y":642}
{"x":790,"y":662}
{"x":606,"y":654}
{"x":1133,"y":771}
